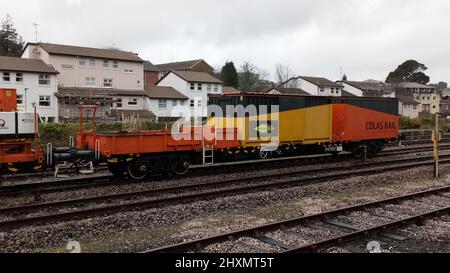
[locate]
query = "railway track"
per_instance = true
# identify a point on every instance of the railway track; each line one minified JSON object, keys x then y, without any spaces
{"x":14,"y":217}
{"x":47,"y":187}
{"x":408,"y":209}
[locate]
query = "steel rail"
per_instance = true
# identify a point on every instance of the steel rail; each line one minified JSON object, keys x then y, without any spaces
{"x":107,"y":180}
{"x":144,"y":204}
{"x":257,"y":231}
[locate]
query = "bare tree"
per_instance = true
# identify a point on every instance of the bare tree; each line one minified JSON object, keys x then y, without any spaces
{"x":283,"y":73}
{"x":252,"y":78}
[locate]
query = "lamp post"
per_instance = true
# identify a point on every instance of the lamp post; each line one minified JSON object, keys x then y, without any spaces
{"x":25,"y":98}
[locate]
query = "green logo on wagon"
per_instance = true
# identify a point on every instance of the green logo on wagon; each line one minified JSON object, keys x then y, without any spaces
{"x":264,"y":129}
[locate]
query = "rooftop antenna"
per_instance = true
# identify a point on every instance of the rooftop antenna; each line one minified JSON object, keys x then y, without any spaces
{"x":36,"y":25}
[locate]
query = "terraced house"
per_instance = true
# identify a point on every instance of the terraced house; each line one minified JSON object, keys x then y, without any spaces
{"x":315,"y":86}
{"x":109,"y":78}
{"x":35,"y":83}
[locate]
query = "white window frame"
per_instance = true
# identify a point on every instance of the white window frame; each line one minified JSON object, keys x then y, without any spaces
{"x":216,"y":88}
{"x":44,"y":79}
{"x":200,"y":103}
{"x":67,"y":66}
{"x":6,"y":75}
{"x":105,"y":64}
{"x":19,"y":77}
{"x":89,"y":82}
{"x":82,"y":62}
{"x":115,"y":64}
{"x":182,"y":103}
{"x":192,"y":104}
{"x":19,"y":99}
{"x":119,"y":103}
{"x":44,"y":100}
{"x":129,"y":71}
{"x":108,"y":83}
{"x":174,"y":103}
{"x":92,"y":63}
{"x":192,"y":88}
{"x":162,"y":104}
{"x":208,"y":88}
{"x":133,"y":102}
{"x":199,"y":87}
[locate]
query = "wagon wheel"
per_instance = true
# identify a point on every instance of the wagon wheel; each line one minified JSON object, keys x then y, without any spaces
{"x":358,"y":152}
{"x":183,"y":166}
{"x":264,"y":154}
{"x":138,"y":170}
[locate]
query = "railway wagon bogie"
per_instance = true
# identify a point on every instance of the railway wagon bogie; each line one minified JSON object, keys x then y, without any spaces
{"x":139,"y":167}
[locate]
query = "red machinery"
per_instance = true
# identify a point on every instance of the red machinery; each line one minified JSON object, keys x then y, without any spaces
{"x":19,"y":148}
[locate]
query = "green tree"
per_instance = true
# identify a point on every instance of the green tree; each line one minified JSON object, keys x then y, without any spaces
{"x":229,"y":75}
{"x":441,"y":86}
{"x":409,"y":71}
{"x":11,"y":43}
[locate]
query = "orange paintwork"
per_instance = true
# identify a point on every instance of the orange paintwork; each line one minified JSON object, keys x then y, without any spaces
{"x":8,"y":100}
{"x":352,"y":123}
{"x":19,"y":152}
{"x":158,"y":141}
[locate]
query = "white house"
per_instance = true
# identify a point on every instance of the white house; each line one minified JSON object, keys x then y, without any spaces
{"x":315,"y":86}
{"x":196,"y":86}
{"x":35,"y":83}
{"x":368,"y":89}
{"x":92,"y":69}
{"x":166,"y":102}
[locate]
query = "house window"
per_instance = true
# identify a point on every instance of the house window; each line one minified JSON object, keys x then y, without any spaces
{"x":119,"y":103}
{"x":19,"y":77}
{"x":91,"y":62}
{"x":6,"y":76}
{"x":208,"y":87}
{"x":105,"y":64}
{"x":174,"y":103}
{"x":44,"y":101}
{"x":192,"y":86}
{"x":129,"y":71}
{"x":115,"y":64}
{"x":216,"y":88}
{"x":82,"y":62}
{"x":162,"y":104}
{"x":67,"y":66}
{"x":199,"y":87}
{"x":107,"y":83}
{"x":132,"y":102}
{"x":90,"y":82}
{"x":44,"y":79}
{"x":19,"y":99}
{"x":192,"y":103}
{"x":182,"y":103}
{"x":199,"y":103}
{"x":322,"y":89}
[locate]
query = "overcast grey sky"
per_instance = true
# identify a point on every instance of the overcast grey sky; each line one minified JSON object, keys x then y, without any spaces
{"x":367,"y":38}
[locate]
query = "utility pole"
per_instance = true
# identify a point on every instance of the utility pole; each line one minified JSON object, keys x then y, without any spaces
{"x":436,"y":139}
